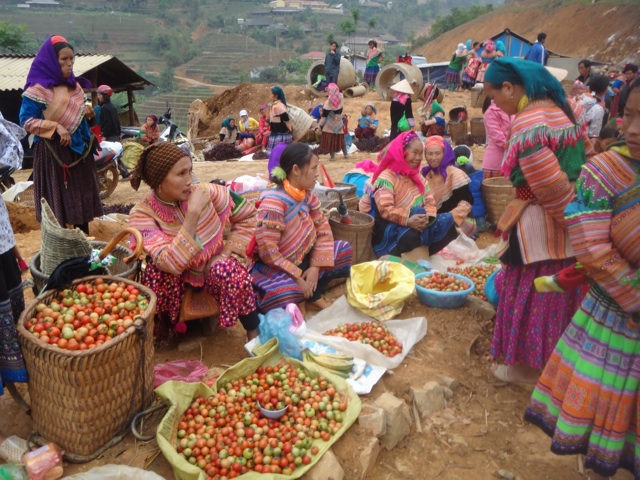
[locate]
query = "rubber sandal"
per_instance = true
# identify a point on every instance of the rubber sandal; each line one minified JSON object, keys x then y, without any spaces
{"x":501,"y":372}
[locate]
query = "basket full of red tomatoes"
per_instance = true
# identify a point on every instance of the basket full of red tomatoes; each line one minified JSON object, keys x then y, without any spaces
{"x":443,"y":290}
{"x":89,"y":353}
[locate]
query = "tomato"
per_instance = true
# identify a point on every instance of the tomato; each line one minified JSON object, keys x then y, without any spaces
{"x":371,"y":333}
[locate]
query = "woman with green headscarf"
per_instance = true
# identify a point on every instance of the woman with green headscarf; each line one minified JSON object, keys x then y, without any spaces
{"x":434,"y":122}
{"x":546,"y":148}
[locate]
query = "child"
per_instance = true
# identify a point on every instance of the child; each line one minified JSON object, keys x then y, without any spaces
{"x":478,"y":210}
{"x":608,"y":135}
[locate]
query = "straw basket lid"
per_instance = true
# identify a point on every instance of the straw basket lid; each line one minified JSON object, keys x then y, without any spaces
{"x":559,"y":73}
{"x":403,"y":86}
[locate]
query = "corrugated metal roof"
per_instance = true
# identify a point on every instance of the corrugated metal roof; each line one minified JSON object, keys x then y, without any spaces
{"x":14,"y":70}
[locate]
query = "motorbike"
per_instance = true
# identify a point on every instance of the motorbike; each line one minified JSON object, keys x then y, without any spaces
{"x":107,"y":172}
{"x":6,"y":180}
{"x":171,"y":132}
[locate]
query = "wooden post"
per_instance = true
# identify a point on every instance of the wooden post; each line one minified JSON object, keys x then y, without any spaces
{"x":94,"y":84}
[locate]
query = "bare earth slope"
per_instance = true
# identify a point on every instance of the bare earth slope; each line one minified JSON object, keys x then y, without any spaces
{"x":611,"y":33}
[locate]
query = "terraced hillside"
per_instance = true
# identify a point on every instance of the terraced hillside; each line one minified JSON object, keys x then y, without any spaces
{"x":226,"y":57}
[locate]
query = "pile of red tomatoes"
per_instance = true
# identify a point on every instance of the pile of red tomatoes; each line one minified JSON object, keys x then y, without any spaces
{"x":372,"y":333}
{"x":442,"y":282}
{"x":479,"y":274}
{"x":226,"y":434}
{"x":87,"y":315}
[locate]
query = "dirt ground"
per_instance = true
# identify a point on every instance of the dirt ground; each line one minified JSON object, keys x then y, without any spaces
{"x":480,"y":432}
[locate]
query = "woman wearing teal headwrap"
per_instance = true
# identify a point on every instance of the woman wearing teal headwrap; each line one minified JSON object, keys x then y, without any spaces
{"x":279,"y":121}
{"x":546,"y":148}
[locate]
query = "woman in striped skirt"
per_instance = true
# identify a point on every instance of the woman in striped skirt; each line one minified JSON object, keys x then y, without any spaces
{"x":279,"y":120}
{"x":587,"y":396}
{"x":298,"y":256}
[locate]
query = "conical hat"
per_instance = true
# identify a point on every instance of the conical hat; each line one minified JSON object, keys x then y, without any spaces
{"x":403,"y":86}
{"x":559,"y":73}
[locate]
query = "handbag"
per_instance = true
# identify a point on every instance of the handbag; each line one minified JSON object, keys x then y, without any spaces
{"x":197,"y":303}
{"x":403,"y":124}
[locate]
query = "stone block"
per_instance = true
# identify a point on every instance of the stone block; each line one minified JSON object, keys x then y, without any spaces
{"x":448,"y":382}
{"x":482,"y":308}
{"x":429,"y":399}
{"x":369,"y":457}
{"x":448,"y":393}
{"x":327,"y":468}
{"x":398,"y":419}
{"x":372,"y":419}
{"x":190,"y":345}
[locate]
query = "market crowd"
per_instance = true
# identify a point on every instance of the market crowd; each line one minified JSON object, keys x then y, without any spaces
{"x":568,"y":314}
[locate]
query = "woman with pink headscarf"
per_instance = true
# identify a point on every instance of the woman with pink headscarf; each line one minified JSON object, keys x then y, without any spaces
{"x":404,"y":211}
{"x":331,"y":123}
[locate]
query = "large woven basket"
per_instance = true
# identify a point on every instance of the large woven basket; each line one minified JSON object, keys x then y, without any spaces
{"x":301,"y":121}
{"x":477,"y":98}
{"x":497,"y":193}
{"x":458,"y":131}
{"x":119,"y":269}
{"x":478,"y":132}
{"x":358,"y":234}
{"x":26,"y":197}
{"x":84,"y":400}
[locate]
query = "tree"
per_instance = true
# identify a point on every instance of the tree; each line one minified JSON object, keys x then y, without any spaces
{"x":348,"y":28}
{"x":371,"y":24}
{"x":15,"y":38}
{"x":355,"y":14}
{"x":167,"y":81}
{"x":330,"y":38}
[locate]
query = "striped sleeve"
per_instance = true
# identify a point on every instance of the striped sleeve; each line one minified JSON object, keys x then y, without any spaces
{"x":589,"y":223}
{"x":322,"y":252}
{"x":269,"y":231}
{"x":385,"y":197}
{"x":169,"y":255}
{"x":32,"y":119}
{"x":547,"y":181}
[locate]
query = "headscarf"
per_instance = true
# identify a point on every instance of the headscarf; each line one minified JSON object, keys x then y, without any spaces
{"x":227,"y":124}
{"x":264,"y":106}
{"x":277,"y":91}
{"x":460,"y":49}
{"x":373,"y":107}
{"x":489,"y":46}
{"x":156,"y":161}
{"x":392,"y":158}
{"x":436,"y":108}
{"x":373,"y":52}
{"x":274,"y":158}
{"x":45,"y":68}
{"x":500,"y":47}
{"x":154,"y":127}
{"x":469,"y":44}
{"x":334,"y":100}
{"x":537,"y":81}
{"x":400,"y":97}
{"x":448,"y":158}
{"x":11,"y":151}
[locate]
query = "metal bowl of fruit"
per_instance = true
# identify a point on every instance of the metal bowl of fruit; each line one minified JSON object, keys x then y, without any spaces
{"x":443,"y":290}
{"x":273,"y":414}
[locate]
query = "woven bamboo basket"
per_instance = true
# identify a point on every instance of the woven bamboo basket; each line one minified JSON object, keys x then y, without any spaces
{"x":301,"y":121}
{"x":84,"y":400}
{"x":478,"y":132}
{"x":477,"y":98}
{"x":358,"y":234}
{"x":458,"y":131}
{"x":26,"y":198}
{"x":497,"y":193}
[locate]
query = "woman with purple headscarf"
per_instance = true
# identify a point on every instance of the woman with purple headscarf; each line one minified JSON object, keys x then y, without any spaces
{"x":449,"y":186}
{"x":53,"y":110}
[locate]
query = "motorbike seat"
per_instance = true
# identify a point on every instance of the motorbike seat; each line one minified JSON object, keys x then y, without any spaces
{"x":104,"y":159}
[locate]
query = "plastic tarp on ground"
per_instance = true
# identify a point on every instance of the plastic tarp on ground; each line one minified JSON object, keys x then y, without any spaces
{"x":179,"y":395}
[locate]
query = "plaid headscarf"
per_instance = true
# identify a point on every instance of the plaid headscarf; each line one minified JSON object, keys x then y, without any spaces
{"x":156,"y":161}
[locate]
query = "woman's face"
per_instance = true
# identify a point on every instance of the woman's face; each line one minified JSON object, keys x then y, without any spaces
{"x":413,"y":153}
{"x":371,"y":45}
{"x":232,"y":123}
{"x":274,"y":97}
{"x":149,"y":122}
{"x":305,"y":177}
{"x":264,"y":111}
{"x":630,"y":75}
{"x":434,"y":155}
{"x":584,"y":71}
{"x":66,"y":59}
{"x":631,"y":123}
{"x":368,"y":111}
{"x":176,"y":186}
{"x":506,"y":97}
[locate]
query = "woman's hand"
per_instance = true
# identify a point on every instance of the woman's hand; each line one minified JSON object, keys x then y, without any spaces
{"x":89,"y":112}
{"x":65,"y":136}
{"x":198,"y":200}
{"x":311,"y":277}
{"x":418,"y":222}
{"x":307,"y":291}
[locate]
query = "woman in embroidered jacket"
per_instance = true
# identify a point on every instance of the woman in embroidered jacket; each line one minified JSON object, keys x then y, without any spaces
{"x":183,"y":226}
{"x":402,"y":206}
{"x":53,"y":110}
{"x":298,"y":256}
{"x":331,"y":123}
{"x":587,"y":396}
{"x":279,"y":121}
{"x":545,"y":151}
{"x":450,"y":188}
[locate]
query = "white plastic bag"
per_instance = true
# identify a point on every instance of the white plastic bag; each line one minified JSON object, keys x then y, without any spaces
{"x":408,"y":332}
{"x":248,"y":183}
{"x":115,"y":472}
{"x":462,"y":248}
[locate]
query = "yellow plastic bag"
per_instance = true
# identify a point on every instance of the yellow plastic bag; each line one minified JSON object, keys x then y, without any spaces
{"x":379,"y":288}
{"x":179,"y":395}
{"x":131,"y":154}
